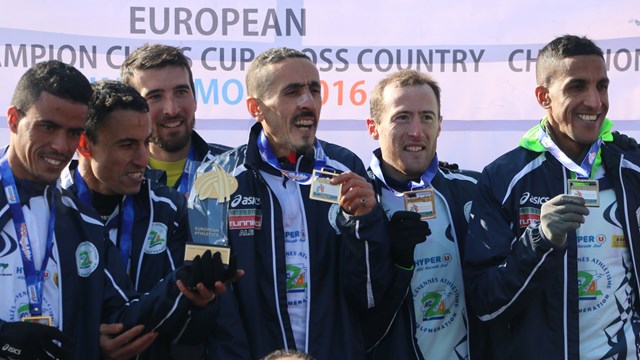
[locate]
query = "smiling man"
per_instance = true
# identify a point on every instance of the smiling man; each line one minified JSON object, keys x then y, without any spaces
{"x":312,"y":267}
{"x":552,"y":255}
{"x":420,"y":318}
{"x":162,"y":75}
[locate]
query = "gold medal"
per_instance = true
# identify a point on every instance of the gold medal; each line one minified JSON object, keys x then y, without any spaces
{"x":43,"y":320}
{"x":586,"y":189}
{"x":421,"y":202}
{"x":322,"y":189}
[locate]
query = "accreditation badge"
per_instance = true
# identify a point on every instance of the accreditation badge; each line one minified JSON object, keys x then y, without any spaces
{"x":42,"y":320}
{"x":586,"y":189}
{"x":322,"y":189}
{"x":422,"y":202}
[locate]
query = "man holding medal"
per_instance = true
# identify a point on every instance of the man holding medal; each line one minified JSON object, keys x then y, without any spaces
{"x":552,"y":254}
{"x":304,"y":222}
{"x":60,"y":279}
{"x":162,"y":74}
{"x":425,"y":315}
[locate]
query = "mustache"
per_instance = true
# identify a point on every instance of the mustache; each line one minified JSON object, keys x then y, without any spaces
{"x":58,"y":156}
{"x":305,"y":113}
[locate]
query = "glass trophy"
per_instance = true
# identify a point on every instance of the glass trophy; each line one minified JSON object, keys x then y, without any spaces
{"x":212,"y":183}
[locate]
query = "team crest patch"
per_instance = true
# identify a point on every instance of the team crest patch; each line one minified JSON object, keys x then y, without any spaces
{"x":156,"y":239}
{"x":333,"y":216}
{"x":87,"y":258}
{"x":528,"y":215}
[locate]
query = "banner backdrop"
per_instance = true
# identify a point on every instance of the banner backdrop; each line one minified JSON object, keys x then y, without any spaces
{"x":482,"y":54}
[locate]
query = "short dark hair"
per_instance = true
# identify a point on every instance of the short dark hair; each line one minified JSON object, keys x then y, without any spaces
{"x":108,"y":96}
{"x":54,"y":77}
{"x":401,"y":79}
{"x":562,"y":47}
{"x":257,"y":79}
{"x":154,"y":56}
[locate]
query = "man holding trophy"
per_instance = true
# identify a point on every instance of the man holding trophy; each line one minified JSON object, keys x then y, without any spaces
{"x":304,"y":222}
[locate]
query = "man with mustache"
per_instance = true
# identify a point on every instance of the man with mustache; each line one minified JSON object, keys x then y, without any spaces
{"x":312,"y":266}
{"x":162,"y":75}
{"x":551,"y":260}
{"x":64,"y":279}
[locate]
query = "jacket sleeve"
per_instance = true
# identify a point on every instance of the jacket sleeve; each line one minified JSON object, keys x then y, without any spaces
{"x":378,"y":321}
{"x":365,"y":260}
{"x":502,"y":267}
{"x":227,"y":338}
{"x":164,"y":309}
{"x":181,"y":233}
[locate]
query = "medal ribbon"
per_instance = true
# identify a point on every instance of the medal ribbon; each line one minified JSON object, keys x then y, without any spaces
{"x":584,"y":170}
{"x":184,"y":178}
{"x":300,"y":177}
{"x":33,"y":278}
{"x":425,"y":178}
{"x":125,"y":228}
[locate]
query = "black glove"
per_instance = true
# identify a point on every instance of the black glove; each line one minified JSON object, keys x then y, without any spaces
{"x":623,"y":141}
{"x":446,"y":165}
{"x":207,"y":269}
{"x":406,"y":230}
{"x":28,"y":340}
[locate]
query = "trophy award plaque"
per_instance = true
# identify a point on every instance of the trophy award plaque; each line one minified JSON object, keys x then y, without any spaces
{"x":208,"y":201}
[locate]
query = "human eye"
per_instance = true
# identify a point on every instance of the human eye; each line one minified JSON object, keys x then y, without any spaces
{"x":153,"y":97}
{"x":75,"y":133}
{"x":426,"y":118}
{"x":48,"y":126}
{"x":401,"y":118}
{"x":183,"y":92}
{"x":603,"y":86}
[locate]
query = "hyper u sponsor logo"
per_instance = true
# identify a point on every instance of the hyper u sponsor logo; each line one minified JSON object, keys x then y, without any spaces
{"x":591,"y":241}
{"x":443,"y":259}
{"x":294,"y":236}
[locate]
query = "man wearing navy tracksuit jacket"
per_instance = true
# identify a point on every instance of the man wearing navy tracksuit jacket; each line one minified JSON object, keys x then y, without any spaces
{"x":312,"y":267}
{"x":60,"y":279}
{"x":552,"y":278}
{"x":145,"y":220}
{"x":424,"y":314}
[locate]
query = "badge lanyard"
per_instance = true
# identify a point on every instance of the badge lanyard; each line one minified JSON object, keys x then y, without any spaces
{"x":585,"y":169}
{"x":425,"y":178}
{"x":125,"y":230}
{"x":300,"y":177}
{"x":34,"y":278}
{"x":184,"y":178}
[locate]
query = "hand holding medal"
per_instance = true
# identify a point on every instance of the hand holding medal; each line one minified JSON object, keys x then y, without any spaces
{"x":356,"y":196}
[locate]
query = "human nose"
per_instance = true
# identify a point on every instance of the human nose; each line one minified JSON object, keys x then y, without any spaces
{"x":306,"y":101}
{"x":593,"y":99}
{"x":141,"y":156}
{"x":415,"y":128}
{"x":64,"y":143}
{"x":170,"y":106}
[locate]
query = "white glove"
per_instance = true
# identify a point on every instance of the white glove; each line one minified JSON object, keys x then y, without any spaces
{"x":560,"y":215}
